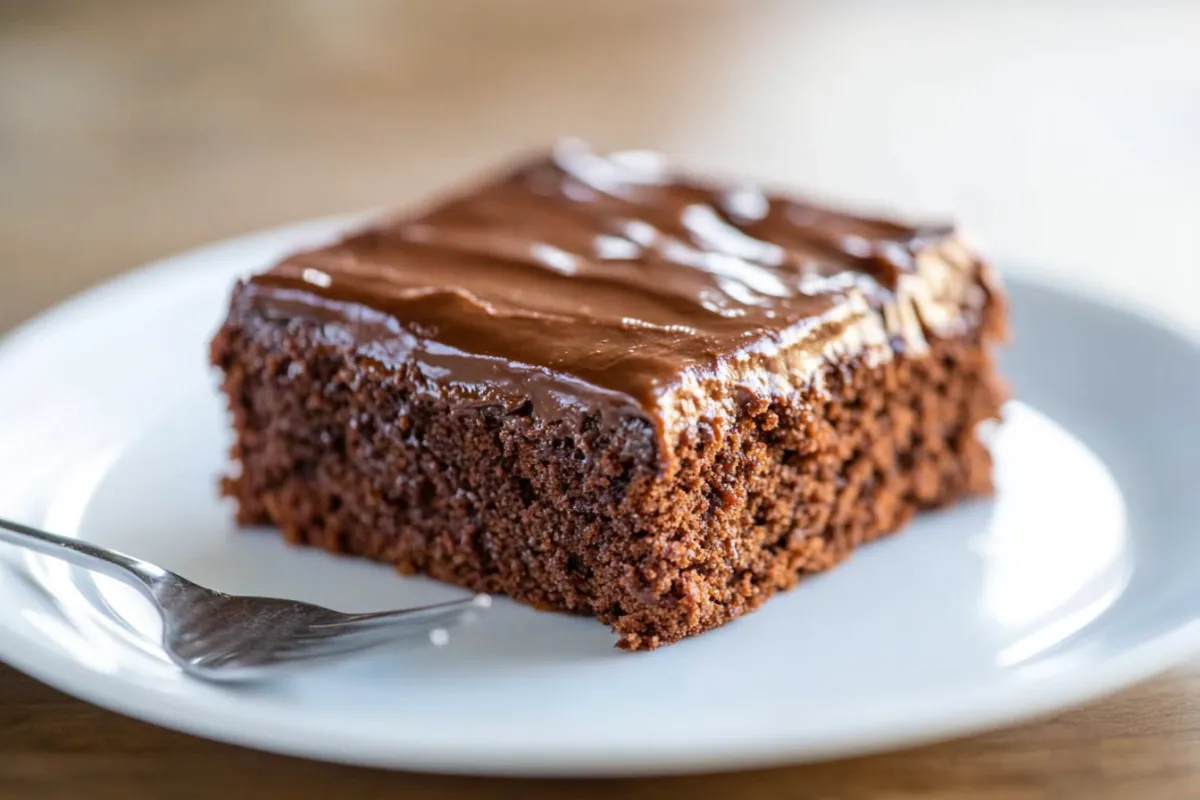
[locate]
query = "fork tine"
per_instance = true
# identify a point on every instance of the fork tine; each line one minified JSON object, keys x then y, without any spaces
{"x":291,"y":636}
{"x":313,"y":649}
{"x":339,"y":645}
{"x":409,"y":617}
{"x":386,"y":629}
{"x":361,"y":632}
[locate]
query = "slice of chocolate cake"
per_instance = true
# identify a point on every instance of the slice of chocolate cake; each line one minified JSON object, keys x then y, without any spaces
{"x":599,"y":386}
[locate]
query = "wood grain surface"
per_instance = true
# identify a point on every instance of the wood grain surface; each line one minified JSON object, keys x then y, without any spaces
{"x":131,"y":130}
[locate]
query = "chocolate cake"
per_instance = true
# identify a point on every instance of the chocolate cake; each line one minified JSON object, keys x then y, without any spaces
{"x":598,"y":385}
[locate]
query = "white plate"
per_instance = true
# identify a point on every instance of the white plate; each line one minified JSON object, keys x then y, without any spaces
{"x":1079,"y":579}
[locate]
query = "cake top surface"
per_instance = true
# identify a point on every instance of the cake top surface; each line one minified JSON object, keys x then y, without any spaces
{"x":584,"y":278}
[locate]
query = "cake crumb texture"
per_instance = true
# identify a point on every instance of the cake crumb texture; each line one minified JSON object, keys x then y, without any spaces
{"x":581,"y":515}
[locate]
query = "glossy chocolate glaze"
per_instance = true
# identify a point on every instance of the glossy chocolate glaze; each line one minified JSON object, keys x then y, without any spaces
{"x":610,"y":282}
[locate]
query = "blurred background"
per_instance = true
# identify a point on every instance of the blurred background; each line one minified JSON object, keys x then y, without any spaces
{"x":1065,"y":135}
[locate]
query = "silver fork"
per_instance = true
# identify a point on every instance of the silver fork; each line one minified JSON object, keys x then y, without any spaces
{"x":221,"y":637}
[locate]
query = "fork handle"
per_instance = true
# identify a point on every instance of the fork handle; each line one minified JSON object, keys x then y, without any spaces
{"x":80,"y":553}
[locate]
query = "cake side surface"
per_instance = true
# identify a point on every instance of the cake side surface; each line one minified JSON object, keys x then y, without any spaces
{"x":574,"y":514}
{"x":597,"y":389}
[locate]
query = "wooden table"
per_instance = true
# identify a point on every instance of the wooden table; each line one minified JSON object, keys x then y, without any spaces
{"x":131,"y":130}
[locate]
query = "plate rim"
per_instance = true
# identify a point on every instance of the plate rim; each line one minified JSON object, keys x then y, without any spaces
{"x":986,"y":710}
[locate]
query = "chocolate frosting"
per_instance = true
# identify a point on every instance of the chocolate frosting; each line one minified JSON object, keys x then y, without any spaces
{"x":612,"y":282}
